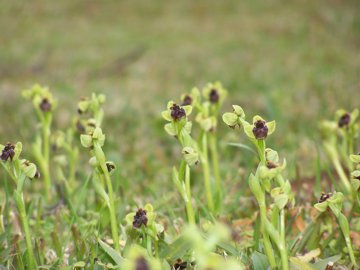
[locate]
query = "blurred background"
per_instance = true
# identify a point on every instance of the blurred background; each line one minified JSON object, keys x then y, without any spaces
{"x":293,"y":61}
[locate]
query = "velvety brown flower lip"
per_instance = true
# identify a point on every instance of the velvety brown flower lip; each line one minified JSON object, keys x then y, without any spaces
{"x":324,"y":196}
{"x":141,"y":264}
{"x":214,"y":96}
{"x":37,"y":174}
{"x":271,"y":165}
{"x":110,"y":166}
{"x":179,"y":265}
{"x":187,"y":100}
{"x":45,"y":105}
{"x":330,"y":266}
{"x":140,"y":218}
{"x":260,"y":129}
{"x":80,"y":127}
{"x":177,"y":112}
{"x":8,"y":152}
{"x":344,"y":120}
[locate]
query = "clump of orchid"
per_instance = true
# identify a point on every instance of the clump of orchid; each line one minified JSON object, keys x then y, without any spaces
{"x":207,"y":104}
{"x":334,"y":202}
{"x":142,"y":229}
{"x":44,"y":105}
{"x":180,"y":127}
{"x":208,"y":109}
{"x":90,"y":108}
{"x":339,"y":137}
{"x":267,"y":179}
{"x":94,"y":140}
{"x":19,"y":171}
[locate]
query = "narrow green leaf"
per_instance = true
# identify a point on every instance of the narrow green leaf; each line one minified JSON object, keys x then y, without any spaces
{"x":112,"y":253}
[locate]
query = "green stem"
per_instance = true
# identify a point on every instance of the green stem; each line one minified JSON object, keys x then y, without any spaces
{"x":267,"y":244}
{"x":339,"y":169}
{"x":334,"y":157}
{"x":114,"y":229}
{"x":351,"y":251}
{"x":283,"y":253}
{"x":100,"y":156}
{"x":148,"y":245}
{"x":345,"y":228}
{"x":350,"y":150}
{"x":189,"y":208}
{"x":46,"y":156}
{"x":215,"y":166}
{"x":25,"y":224}
{"x":206,"y":172}
{"x":260,"y":145}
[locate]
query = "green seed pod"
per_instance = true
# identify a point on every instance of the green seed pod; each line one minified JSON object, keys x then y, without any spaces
{"x":29,"y":169}
{"x":344,"y":224}
{"x":230,"y":119}
{"x":86,"y":140}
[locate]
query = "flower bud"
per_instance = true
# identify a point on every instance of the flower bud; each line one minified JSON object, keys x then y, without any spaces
{"x":83,"y":105}
{"x":86,"y":140}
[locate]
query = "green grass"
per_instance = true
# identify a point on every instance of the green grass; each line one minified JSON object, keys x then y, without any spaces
{"x":296,"y":62}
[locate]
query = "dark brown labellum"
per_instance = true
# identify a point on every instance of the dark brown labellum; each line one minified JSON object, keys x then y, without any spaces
{"x":214,"y":96}
{"x":177,"y":112}
{"x":271,"y":165}
{"x":187,"y":101}
{"x":260,"y":130}
{"x":80,"y":127}
{"x":140,"y":218}
{"x":141,"y":264}
{"x":91,"y":124}
{"x":330,"y":266}
{"x":8,"y":152}
{"x":344,"y":120}
{"x":37,"y":174}
{"x":45,"y":105}
{"x":179,"y":265}
{"x":324,"y":196}
{"x":110,"y":167}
